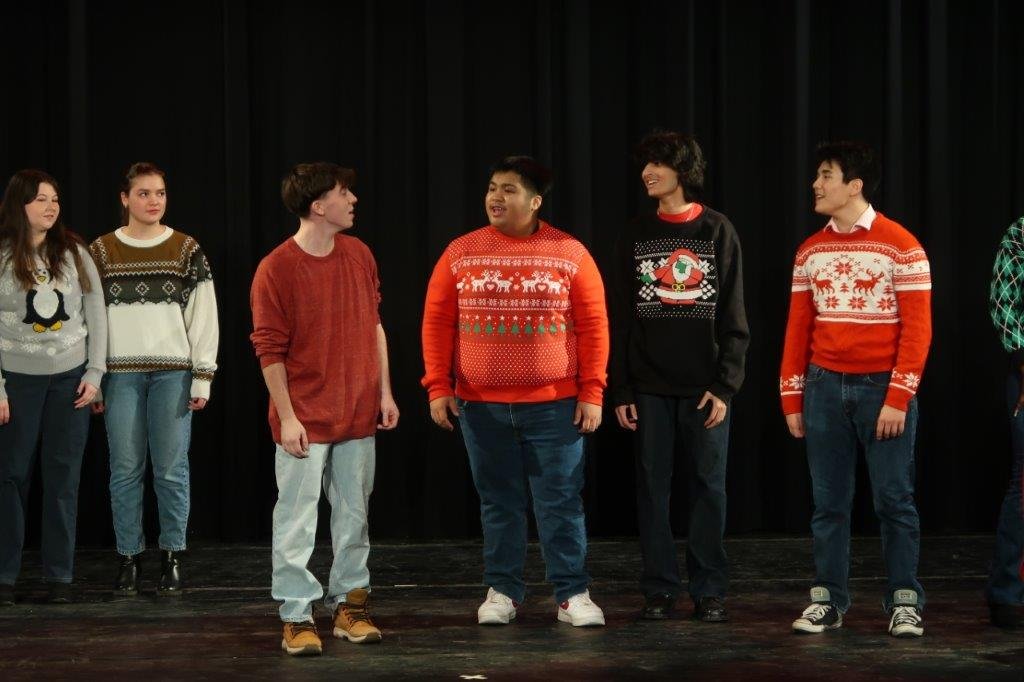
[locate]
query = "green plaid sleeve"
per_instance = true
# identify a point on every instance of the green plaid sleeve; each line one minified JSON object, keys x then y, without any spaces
{"x":1006,"y":303}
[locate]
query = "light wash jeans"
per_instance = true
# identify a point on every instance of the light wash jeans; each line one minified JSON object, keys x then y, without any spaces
{"x":345,"y":470}
{"x":148,"y":409}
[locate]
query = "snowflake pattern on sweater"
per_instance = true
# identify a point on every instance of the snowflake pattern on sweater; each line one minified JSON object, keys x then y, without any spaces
{"x":860,"y":303}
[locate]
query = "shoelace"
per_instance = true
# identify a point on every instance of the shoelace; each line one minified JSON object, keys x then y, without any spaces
{"x":498,"y":598}
{"x":581,"y":600}
{"x":356,"y":613}
{"x":905,"y":615}
{"x":816,"y":611}
{"x":304,"y":626}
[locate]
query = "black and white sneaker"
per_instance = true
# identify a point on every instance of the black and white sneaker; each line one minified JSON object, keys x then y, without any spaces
{"x":821,"y":615}
{"x":818,"y":617}
{"x":906,"y":622}
{"x":906,"y":616}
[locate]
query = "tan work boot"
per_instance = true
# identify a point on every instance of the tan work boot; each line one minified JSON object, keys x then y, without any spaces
{"x":352,"y":620}
{"x":300,"y":639}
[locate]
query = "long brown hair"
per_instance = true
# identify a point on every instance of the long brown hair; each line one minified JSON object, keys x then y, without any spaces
{"x":15,"y":233}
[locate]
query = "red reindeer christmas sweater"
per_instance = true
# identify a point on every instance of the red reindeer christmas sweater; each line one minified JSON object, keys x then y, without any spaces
{"x":860,"y":303}
{"x":515,"y":319}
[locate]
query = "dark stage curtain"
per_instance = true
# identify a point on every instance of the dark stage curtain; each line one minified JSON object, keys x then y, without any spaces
{"x":420,"y":97}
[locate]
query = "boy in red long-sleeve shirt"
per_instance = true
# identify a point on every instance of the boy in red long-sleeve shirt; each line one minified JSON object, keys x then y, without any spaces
{"x":324,"y":356}
{"x":856,"y":341}
{"x":516,"y":311}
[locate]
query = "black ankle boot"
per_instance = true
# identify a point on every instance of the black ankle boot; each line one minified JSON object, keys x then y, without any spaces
{"x":128,"y":571}
{"x":170,"y":573}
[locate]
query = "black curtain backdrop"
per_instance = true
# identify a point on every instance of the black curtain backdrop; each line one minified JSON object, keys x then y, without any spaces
{"x":420,"y":97}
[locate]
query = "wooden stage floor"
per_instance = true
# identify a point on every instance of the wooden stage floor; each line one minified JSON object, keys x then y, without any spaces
{"x":425,"y":597}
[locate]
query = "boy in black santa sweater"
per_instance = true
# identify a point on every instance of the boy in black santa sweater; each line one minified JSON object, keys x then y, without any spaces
{"x":679,"y":338}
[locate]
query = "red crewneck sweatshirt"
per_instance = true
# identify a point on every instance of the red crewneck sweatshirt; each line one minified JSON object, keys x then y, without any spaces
{"x":318,"y":315}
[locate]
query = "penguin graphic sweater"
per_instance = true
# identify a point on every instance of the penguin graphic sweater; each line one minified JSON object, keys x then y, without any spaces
{"x":679,"y":326}
{"x":515,"y":320}
{"x":161,"y":306}
{"x":860,"y":303}
{"x":53,"y":327}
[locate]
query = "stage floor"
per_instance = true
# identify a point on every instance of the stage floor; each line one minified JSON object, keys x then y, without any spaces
{"x":425,"y":597}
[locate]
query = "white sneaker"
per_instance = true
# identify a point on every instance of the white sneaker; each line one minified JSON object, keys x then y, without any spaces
{"x":580,"y":611}
{"x":497,"y":609}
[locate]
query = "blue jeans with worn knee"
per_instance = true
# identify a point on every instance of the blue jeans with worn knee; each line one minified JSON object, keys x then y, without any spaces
{"x":517,"y":450}
{"x":841,"y":412}
{"x":148,"y":411}
{"x":1005,"y":585}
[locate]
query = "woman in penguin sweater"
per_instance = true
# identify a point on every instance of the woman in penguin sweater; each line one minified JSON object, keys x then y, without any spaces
{"x":53,"y":348}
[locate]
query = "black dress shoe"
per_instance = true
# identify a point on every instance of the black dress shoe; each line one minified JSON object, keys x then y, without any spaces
{"x":60,"y":593}
{"x":6,"y":595}
{"x":657,"y":606}
{"x":170,"y":574}
{"x":128,"y":571}
{"x":710,"y":610}
{"x":1005,"y":616}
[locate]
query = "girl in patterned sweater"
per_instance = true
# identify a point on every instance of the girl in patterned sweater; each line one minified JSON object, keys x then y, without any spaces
{"x":162,"y":314}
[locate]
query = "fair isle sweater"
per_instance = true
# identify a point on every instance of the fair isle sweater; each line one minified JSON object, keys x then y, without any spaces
{"x":52,"y":327}
{"x":515,"y":320}
{"x":860,"y":303}
{"x":161,"y":305}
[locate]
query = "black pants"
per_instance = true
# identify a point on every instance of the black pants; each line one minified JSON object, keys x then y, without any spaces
{"x":41,"y":405}
{"x":663,"y":422}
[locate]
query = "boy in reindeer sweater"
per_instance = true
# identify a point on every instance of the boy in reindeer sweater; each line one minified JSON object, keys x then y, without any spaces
{"x":856,"y":341}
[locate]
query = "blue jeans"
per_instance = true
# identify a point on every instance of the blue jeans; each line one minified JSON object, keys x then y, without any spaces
{"x":840,"y":413}
{"x":1005,"y":585}
{"x":664,"y":421}
{"x":519,"y":449}
{"x":345,"y":471}
{"x":148,"y":410}
{"x":42,"y":406}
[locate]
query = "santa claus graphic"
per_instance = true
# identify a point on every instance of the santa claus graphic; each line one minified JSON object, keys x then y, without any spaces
{"x":678,"y":280}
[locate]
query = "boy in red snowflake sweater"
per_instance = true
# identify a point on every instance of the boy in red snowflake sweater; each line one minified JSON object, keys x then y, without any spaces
{"x":856,"y":341}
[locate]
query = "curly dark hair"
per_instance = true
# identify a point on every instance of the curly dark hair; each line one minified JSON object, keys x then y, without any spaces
{"x":680,"y":153}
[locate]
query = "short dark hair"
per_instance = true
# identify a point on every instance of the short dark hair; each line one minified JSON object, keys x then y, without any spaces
{"x":307,"y":182}
{"x":536,"y":176}
{"x":677,"y":151}
{"x":856,"y":160}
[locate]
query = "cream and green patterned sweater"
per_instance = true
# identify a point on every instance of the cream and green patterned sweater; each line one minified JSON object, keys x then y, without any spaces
{"x":161,"y":305}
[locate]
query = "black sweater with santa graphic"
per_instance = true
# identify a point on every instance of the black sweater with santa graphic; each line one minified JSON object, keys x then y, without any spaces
{"x":678,"y":325}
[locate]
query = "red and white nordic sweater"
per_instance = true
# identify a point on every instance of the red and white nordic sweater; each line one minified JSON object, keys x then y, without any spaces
{"x":516,"y":320}
{"x":860,"y":303}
